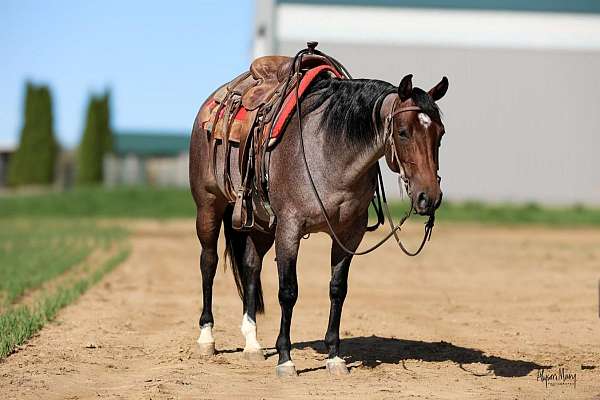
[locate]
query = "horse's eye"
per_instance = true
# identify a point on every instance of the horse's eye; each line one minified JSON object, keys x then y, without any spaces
{"x":403,"y":133}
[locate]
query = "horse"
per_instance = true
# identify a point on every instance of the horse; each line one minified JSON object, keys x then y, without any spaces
{"x":347,"y":125}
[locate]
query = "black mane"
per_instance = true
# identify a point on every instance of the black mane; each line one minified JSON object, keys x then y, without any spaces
{"x":349,"y":111}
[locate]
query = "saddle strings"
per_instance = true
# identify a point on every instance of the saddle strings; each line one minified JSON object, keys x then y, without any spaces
{"x":394,"y":229}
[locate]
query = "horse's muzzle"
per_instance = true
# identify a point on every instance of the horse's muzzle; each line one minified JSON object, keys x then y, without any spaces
{"x":426,"y":205}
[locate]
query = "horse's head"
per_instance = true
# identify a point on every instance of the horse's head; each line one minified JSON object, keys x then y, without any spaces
{"x":415,"y":133}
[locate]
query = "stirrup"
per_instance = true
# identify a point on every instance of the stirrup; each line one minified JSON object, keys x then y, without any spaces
{"x":242,"y":218}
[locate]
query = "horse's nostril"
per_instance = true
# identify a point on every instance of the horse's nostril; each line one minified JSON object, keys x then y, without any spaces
{"x":422,"y":201}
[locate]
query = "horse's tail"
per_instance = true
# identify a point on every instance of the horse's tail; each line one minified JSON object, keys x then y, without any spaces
{"x":235,"y":245}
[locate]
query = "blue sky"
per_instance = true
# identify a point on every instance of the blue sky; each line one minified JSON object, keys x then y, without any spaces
{"x":160,"y":59}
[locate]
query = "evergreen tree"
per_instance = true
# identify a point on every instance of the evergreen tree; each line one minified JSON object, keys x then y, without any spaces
{"x":96,"y":141}
{"x":34,"y":160}
{"x":104,"y":109}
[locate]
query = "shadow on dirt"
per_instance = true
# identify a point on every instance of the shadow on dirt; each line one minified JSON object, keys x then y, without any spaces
{"x":374,"y":350}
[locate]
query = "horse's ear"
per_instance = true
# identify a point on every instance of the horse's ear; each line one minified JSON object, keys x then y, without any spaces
{"x":405,"y":88}
{"x":439,"y":90}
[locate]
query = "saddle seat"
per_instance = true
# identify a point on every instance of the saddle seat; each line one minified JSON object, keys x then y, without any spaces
{"x":272,"y":71}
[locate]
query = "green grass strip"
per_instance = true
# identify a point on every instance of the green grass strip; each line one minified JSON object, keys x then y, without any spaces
{"x":33,"y":252}
{"x":509,"y":214}
{"x":96,"y":201}
{"x":149,"y":202}
{"x":21,"y":322}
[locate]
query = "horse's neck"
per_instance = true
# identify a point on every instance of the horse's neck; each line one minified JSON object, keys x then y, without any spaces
{"x":345,"y":167}
{"x":359,"y":164}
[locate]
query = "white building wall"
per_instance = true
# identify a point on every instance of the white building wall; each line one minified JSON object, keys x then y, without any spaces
{"x":521,"y":113}
{"x":134,"y":170}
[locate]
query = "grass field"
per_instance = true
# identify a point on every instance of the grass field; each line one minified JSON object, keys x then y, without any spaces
{"x":512,"y":214}
{"x":135,"y":202}
{"x":177,"y":203}
{"x":44,"y":265}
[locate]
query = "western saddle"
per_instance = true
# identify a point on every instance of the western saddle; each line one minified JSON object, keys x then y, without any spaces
{"x":250,"y":113}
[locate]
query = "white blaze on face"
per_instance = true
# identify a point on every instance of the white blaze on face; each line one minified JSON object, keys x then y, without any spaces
{"x":425,"y":120}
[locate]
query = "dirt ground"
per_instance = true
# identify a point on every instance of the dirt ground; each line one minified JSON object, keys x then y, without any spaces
{"x":477,"y":316}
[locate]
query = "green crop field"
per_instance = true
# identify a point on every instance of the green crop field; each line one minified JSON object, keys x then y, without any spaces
{"x":45,"y":264}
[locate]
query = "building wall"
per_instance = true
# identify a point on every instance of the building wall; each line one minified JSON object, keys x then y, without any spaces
{"x":171,"y":171}
{"x":131,"y":169}
{"x":522,"y":120}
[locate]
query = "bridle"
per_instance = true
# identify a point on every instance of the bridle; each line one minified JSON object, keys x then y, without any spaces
{"x":389,"y":133}
{"x":391,"y":136}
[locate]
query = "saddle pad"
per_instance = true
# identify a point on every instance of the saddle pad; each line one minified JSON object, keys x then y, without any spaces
{"x":240,"y":115}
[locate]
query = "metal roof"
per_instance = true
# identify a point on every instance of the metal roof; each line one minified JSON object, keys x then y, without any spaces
{"x":150,"y":143}
{"x":574,"y":6}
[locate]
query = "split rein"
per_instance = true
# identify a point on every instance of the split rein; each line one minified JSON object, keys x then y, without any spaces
{"x":295,"y":70}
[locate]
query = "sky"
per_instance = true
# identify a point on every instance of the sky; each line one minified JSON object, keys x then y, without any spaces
{"x":159,"y":59}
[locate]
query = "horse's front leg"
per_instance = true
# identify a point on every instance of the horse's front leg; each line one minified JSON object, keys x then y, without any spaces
{"x":287,"y":240}
{"x":338,"y":288}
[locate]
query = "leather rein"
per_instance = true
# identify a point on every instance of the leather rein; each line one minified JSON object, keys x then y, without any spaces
{"x":390,"y":134}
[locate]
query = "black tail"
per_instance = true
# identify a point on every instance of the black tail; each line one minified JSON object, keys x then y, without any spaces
{"x":235,"y":245}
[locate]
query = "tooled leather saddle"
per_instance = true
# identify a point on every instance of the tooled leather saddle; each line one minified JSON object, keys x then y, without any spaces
{"x":250,"y":113}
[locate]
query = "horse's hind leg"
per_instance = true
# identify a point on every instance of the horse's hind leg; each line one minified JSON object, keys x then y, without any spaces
{"x":246,"y":252}
{"x":208,"y":225}
{"x":256,"y":246}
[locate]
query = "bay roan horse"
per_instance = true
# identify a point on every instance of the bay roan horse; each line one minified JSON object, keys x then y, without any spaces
{"x":348,"y":125}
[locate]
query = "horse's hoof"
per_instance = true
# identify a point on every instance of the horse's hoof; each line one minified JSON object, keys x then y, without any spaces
{"x":254,"y":355}
{"x":336,"y":366}
{"x":287,"y":369}
{"x":207,"y":349}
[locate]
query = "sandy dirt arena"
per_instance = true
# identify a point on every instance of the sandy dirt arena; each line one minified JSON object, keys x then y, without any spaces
{"x":476,"y":316}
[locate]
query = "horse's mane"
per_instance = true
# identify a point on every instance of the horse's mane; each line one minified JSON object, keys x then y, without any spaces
{"x":348,"y":107}
{"x":352,"y":104}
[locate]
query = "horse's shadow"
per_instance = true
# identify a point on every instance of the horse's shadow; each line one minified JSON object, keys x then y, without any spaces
{"x":372,"y":351}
